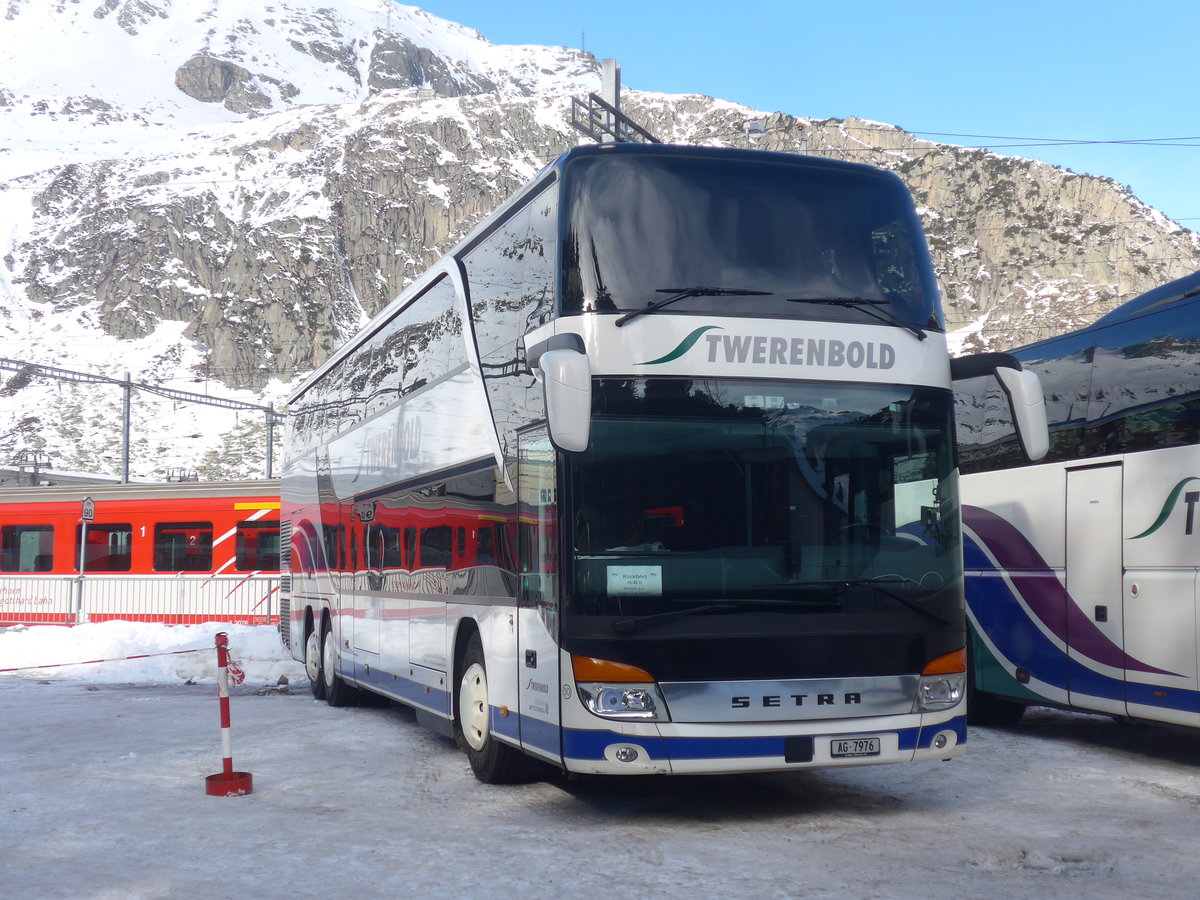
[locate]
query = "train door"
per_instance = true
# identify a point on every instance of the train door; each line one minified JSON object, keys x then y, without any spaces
{"x":537,"y":602}
{"x":1094,"y":569}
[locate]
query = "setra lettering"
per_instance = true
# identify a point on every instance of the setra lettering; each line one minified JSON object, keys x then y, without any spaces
{"x":774,"y":701}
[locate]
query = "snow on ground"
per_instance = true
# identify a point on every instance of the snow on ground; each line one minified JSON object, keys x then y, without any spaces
{"x":104,"y":798}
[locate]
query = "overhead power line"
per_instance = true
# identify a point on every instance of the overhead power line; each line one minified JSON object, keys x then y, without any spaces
{"x":35,"y":370}
{"x":1063,"y":142}
{"x":40,"y":371}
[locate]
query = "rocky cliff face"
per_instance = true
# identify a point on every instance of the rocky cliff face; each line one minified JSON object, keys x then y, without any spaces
{"x":243,"y":252}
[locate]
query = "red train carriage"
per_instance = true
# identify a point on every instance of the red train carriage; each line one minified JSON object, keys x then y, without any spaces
{"x":177,"y":553}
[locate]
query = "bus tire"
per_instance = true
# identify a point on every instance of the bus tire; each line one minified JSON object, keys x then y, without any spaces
{"x":988,"y":709}
{"x":491,"y":761}
{"x":984,"y":708}
{"x":312,"y":664}
{"x":337,"y":692}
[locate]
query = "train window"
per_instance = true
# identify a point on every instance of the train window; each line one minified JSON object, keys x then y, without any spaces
{"x":382,"y":548}
{"x":335,"y":547}
{"x":183,"y":546}
{"x":485,"y":553}
{"x":27,"y":548}
{"x":109,"y":547}
{"x":410,"y":546}
{"x":258,"y":546}
{"x":391,"y":547}
{"x":435,"y":547}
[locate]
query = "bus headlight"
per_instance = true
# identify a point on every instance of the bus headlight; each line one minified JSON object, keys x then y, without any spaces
{"x":617,"y":690}
{"x":940,"y":692}
{"x":623,"y":701}
{"x":943,"y":682}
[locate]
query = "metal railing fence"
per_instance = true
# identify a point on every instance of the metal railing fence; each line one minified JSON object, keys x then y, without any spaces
{"x":31,"y":599}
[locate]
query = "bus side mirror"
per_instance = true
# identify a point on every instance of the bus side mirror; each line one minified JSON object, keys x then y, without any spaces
{"x":1024,"y":392}
{"x":567,"y":378}
{"x":1028,"y":405}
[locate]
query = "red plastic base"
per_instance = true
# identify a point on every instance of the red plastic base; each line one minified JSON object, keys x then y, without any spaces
{"x":222,"y":785}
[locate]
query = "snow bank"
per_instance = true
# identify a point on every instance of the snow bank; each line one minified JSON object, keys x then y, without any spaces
{"x":97,"y":653}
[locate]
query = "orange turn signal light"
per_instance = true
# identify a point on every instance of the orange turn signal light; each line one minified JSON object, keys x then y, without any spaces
{"x":947,"y":663}
{"x":588,"y":668}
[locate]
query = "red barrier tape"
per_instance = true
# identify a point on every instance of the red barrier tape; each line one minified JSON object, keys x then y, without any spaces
{"x":87,"y":662}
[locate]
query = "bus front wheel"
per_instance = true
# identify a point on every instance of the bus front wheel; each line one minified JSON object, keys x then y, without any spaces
{"x":491,"y":761}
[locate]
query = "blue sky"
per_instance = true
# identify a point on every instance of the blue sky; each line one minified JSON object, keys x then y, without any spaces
{"x":1063,"y":70}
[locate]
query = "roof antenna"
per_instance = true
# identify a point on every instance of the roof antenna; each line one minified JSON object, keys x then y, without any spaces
{"x":600,"y":116}
{"x":610,"y":93}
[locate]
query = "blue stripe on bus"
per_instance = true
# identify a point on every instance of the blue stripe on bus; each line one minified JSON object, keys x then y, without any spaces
{"x":577,"y":743}
{"x":1016,"y":637}
{"x":1162,"y":697}
{"x":541,"y":735}
{"x":404,"y":689}
{"x":1019,"y":642}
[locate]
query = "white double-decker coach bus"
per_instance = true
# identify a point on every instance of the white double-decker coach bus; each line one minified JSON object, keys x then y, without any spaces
{"x":654,"y":472}
{"x":1083,"y":580}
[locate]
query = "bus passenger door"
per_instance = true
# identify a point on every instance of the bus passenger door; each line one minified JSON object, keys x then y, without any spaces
{"x":1162,"y":631}
{"x":537,"y":600}
{"x":1094,"y":568}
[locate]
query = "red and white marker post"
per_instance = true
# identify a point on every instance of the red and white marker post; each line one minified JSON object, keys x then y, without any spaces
{"x":227,"y":783}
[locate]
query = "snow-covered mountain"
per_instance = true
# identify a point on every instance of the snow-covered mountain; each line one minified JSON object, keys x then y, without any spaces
{"x":212,"y":194}
{"x":187,"y":63}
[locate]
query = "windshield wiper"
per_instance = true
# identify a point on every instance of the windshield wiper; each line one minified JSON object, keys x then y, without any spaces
{"x":680,"y":293}
{"x":867,"y":306}
{"x":630,"y":625}
{"x":847,"y":583}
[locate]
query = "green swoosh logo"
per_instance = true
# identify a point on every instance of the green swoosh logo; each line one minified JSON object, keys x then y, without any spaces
{"x":684,"y":346}
{"x":1166,"y":510}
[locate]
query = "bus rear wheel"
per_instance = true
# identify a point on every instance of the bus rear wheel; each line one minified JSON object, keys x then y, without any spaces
{"x":491,"y":761}
{"x":312,"y":664}
{"x":337,"y":692}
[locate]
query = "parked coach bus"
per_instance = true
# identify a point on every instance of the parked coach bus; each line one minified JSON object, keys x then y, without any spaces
{"x":175,"y":553}
{"x":654,"y":472}
{"x":1082,"y":571}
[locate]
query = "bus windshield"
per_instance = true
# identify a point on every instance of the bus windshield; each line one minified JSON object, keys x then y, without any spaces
{"x":809,"y":498}
{"x":756,"y":234}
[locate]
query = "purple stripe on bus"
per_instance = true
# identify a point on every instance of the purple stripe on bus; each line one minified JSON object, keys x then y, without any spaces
{"x":1046,"y":597}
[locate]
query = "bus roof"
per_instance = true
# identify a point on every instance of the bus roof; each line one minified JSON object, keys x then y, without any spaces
{"x":1171,"y":292}
{"x":554,"y":170}
{"x":1153,"y":300}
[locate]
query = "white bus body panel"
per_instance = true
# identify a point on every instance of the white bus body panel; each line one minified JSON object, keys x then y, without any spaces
{"x":1117,"y":533}
{"x":757,"y":348}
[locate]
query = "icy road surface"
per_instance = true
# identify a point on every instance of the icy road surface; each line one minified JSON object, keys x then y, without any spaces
{"x":104,"y":798}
